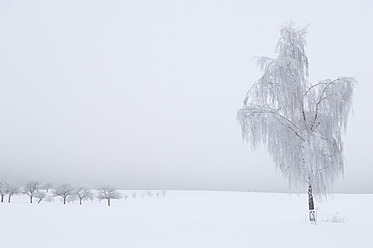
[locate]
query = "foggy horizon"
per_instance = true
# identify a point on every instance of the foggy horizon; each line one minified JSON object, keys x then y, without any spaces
{"x":144,"y":95}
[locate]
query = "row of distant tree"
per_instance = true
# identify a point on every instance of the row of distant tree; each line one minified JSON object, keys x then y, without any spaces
{"x":39,"y":191}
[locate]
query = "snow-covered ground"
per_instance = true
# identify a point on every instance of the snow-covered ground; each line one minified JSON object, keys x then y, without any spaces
{"x":189,"y":219}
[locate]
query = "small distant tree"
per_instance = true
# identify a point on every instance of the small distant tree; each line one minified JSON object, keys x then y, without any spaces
{"x":108,"y":193}
{"x":40,"y":195}
{"x":12,"y":190}
{"x":163,"y":192}
{"x":31,"y":188}
{"x":3,"y":190}
{"x":84,"y":194}
{"x":64,"y":191}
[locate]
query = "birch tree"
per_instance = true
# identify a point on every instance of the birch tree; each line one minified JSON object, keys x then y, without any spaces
{"x":300,"y":123}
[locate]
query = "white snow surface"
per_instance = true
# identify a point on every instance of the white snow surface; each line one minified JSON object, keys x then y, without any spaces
{"x":189,"y":219}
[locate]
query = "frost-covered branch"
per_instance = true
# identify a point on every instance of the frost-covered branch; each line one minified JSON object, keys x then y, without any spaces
{"x":335,"y":98}
{"x":247,"y":111}
{"x":313,"y":86}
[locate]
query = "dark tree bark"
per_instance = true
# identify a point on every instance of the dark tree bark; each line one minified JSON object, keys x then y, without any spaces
{"x":40,"y":200}
{"x":108,"y":202}
{"x":80,"y":201}
{"x":311,"y":206}
{"x":2,"y":198}
{"x":30,"y":199}
{"x":64,"y":200}
{"x":10,"y":195}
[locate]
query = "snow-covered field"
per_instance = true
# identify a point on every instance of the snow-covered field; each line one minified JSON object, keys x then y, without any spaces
{"x":189,"y":219}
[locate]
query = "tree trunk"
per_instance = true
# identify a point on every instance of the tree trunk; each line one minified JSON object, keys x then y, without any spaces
{"x":2,"y":198}
{"x":108,"y":202}
{"x":30,"y":199}
{"x":311,"y":206}
{"x":40,"y":200}
{"x":64,"y":200}
{"x":80,"y":201}
{"x":9,"y":198}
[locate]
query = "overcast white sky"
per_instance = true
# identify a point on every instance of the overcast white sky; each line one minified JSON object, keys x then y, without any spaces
{"x":143,"y":94}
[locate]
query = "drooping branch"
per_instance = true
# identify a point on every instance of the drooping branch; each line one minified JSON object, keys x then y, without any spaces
{"x":322,"y":96}
{"x":261,"y":82}
{"x":314,"y":124}
{"x":311,"y":87}
{"x":288,"y":123}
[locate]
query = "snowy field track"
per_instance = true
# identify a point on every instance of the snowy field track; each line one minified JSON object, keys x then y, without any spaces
{"x":190,"y":219}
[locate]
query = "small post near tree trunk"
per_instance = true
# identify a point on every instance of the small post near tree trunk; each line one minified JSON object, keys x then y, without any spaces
{"x":311,"y":206}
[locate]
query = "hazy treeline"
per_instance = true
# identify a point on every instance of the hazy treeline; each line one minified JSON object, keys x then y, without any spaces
{"x":38,"y":192}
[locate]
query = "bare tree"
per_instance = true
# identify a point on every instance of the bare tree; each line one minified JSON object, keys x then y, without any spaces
{"x":163,"y":192}
{"x":84,"y":194}
{"x":64,"y":191}
{"x":31,"y":188}
{"x":300,"y":123}
{"x":12,"y":190}
{"x":108,"y":193}
{"x":4,"y":187}
{"x":40,"y":195}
